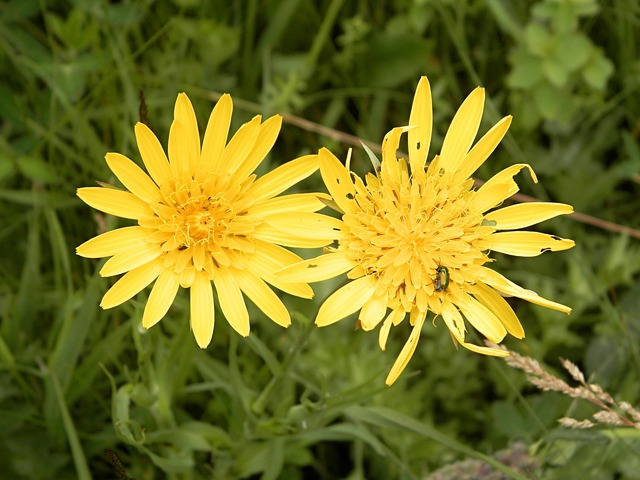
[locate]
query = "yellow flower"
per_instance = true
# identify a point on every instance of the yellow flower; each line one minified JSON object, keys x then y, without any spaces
{"x":416,"y":239}
{"x":203,"y":217}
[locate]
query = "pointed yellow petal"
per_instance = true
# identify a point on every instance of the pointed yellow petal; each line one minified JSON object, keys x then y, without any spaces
{"x":485,"y":147}
{"x":202,"y":309}
{"x":498,"y":188}
{"x":110,"y":243}
{"x":462,"y":131}
{"x":489,"y":351}
{"x":526,"y":244}
{"x":115,"y":202}
{"x":394,"y":318}
{"x":481,"y":318}
{"x":507,"y":287}
{"x":317,"y":269}
{"x":240,"y":145}
{"x":215,"y":136}
{"x":346,"y":300}
{"x":131,"y":283}
{"x":231,"y":301}
{"x":278,"y":180}
{"x":270,"y":234}
{"x":499,"y":306}
{"x":422,"y":119}
{"x":391,"y":142}
{"x":133,"y":177}
{"x":267,"y":135}
{"x":162,"y":295}
{"x":268,"y":259}
{"x":178,"y":149}
{"x":183,"y":112}
{"x":306,"y":225}
{"x":153,"y":156}
{"x":296,"y":202}
{"x":526,"y":214}
{"x":337,"y":179}
{"x":406,"y":353}
{"x":372,"y":312}
{"x":131,"y":258}
{"x":453,"y":320}
{"x":263,"y":297}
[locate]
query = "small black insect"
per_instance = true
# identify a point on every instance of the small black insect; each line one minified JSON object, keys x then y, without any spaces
{"x":442,"y":278}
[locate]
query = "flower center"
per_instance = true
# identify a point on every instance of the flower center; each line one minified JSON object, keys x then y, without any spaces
{"x":415,"y":235}
{"x":202,"y":225}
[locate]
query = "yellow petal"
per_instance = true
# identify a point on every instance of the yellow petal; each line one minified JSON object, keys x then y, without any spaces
{"x":263,"y":297}
{"x":215,"y":136}
{"x":481,"y":318}
{"x":507,"y":287}
{"x":373,"y":312}
{"x":337,"y":179}
{"x":454,"y":321}
{"x":231,"y":301}
{"x":526,"y":214}
{"x":485,"y":147}
{"x":202,"y":309}
{"x":236,"y":152}
{"x":489,"y":351}
{"x":131,"y":258}
{"x":183,"y":112}
{"x":115,"y":202}
{"x":133,"y":177}
{"x":306,"y":225}
{"x":178,"y":149}
{"x":526,"y":244}
{"x":499,"y":306}
{"x":394,"y":318}
{"x":317,"y":269}
{"x":131,"y":283}
{"x":462,"y":131}
{"x":406,"y":353}
{"x":153,"y":156}
{"x":112,"y":242}
{"x":296,"y":202}
{"x":162,"y":295}
{"x":345,"y":301}
{"x":422,"y":119}
{"x":278,"y":180}
{"x":391,"y":143}
{"x":269,"y":259}
{"x":320,"y":230}
{"x":267,"y":135}
{"x":499,"y":187}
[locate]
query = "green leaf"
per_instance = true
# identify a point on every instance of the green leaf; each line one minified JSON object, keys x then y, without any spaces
{"x":538,"y":40}
{"x":573,"y":50}
{"x":526,"y":71}
{"x":555,"y":72}
{"x":553,"y":103}
{"x":597,"y":71}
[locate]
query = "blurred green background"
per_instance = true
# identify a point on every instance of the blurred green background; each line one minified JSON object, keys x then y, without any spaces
{"x":306,"y":402}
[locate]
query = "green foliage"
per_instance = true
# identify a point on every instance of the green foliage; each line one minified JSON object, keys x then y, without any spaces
{"x":557,"y":70}
{"x":306,"y":402}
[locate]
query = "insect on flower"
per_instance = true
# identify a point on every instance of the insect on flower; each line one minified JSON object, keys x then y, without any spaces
{"x":442,"y":278}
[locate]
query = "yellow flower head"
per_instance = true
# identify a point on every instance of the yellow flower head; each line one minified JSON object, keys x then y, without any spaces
{"x":416,"y":239}
{"x":203,"y":217}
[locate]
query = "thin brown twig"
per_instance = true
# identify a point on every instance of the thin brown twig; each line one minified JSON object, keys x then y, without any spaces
{"x":353,"y":140}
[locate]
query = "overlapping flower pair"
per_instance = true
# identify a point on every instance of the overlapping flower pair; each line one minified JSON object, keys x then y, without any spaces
{"x":413,"y":237}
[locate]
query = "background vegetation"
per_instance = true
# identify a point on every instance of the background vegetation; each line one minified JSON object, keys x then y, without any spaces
{"x":308,"y":402}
